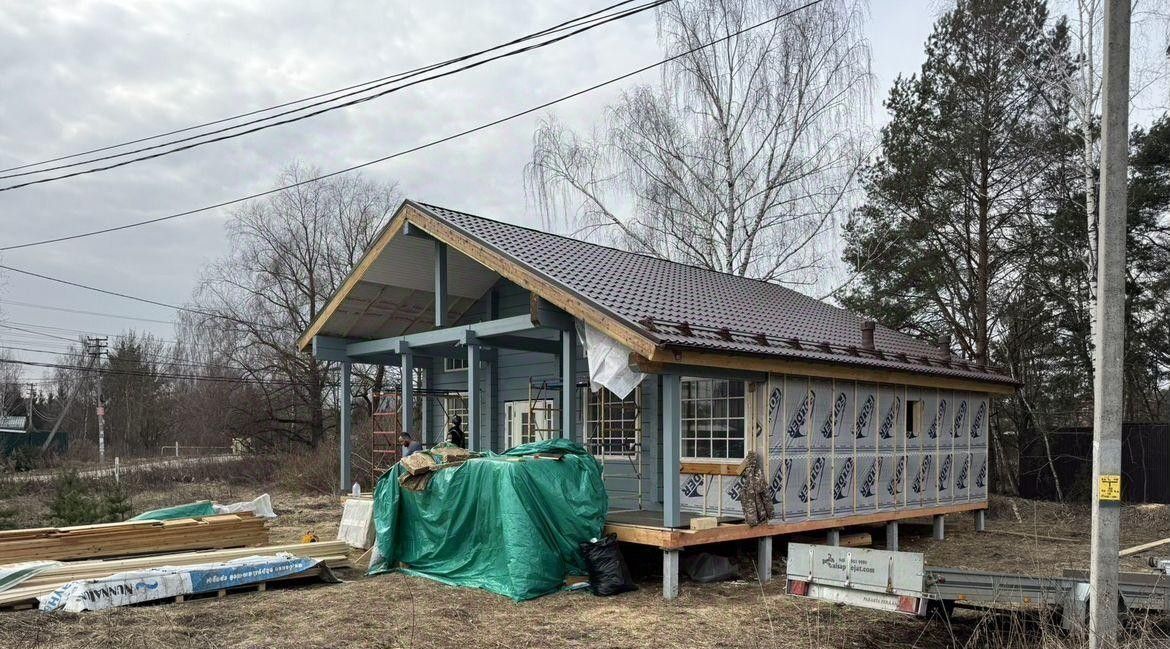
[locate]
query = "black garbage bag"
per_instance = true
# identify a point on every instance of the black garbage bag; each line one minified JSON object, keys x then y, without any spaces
{"x":705,"y":568}
{"x":608,"y":572}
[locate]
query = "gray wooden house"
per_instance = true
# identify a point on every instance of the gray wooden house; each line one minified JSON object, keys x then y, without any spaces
{"x":856,"y":423}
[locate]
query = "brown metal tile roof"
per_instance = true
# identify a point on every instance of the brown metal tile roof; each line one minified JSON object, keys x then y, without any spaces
{"x":689,"y":307}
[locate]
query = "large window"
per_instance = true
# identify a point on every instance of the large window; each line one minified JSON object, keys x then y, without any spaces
{"x":713,"y":419}
{"x":528,"y":421}
{"x":612,"y":425}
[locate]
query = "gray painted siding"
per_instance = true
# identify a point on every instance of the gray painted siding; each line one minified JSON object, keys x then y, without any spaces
{"x":507,"y":379}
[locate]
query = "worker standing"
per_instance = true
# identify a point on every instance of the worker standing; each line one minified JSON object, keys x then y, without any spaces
{"x":455,"y":433}
{"x":409,"y":445}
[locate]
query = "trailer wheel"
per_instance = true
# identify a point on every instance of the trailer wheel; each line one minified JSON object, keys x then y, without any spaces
{"x":943,"y":609}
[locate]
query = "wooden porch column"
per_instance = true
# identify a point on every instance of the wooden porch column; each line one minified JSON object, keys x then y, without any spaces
{"x":440,"y":284}
{"x":407,"y":393}
{"x":473,"y":397}
{"x":569,"y":385}
{"x":671,"y":448}
{"x":346,"y":426}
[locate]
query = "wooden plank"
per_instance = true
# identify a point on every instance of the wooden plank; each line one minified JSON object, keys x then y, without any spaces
{"x":133,"y":537}
{"x":709,"y":468}
{"x":656,"y":360}
{"x":675,"y":539}
{"x":704,"y":522}
{"x":1137,"y":549}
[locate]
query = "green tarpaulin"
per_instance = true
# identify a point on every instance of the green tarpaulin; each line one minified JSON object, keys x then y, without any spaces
{"x":190,"y":510}
{"x":510,"y":527}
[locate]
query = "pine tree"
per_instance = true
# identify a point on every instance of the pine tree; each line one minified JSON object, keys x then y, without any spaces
{"x":962,"y":163}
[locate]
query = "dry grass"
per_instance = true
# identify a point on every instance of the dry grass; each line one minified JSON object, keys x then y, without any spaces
{"x":394,"y":611}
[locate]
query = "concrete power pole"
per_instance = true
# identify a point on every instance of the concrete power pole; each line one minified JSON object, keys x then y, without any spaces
{"x":1108,"y":397}
{"x":98,"y":349}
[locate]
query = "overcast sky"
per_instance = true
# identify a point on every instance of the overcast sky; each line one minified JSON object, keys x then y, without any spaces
{"x":78,"y":75}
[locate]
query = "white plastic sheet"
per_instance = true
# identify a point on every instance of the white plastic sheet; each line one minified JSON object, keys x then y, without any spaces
{"x":609,"y":362}
{"x":260,"y":506}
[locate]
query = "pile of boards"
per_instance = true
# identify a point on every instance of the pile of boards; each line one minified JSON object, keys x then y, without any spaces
{"x":132,"y":538}
{"x":43,"y":583}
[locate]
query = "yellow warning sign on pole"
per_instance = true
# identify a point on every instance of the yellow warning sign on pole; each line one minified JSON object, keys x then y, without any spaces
{"x":1109,"y":488}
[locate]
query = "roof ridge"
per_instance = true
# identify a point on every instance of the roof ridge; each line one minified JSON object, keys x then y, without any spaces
{"x":640,"y":254}
{"x":772,"y":285}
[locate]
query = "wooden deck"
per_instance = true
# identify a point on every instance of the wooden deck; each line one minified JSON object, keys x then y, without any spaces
{"x":639,"y":528}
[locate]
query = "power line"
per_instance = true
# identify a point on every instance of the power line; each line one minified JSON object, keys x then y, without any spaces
{"x":38,"y":333}
{"x":162,"y":360}
{"x":353,"y":102}
{"x":208,"y":314}
{"x":420,"y":147}
{"x":363,"y":84}
{"x":84,"y":312}
{"x":161,"y":375}
{"x":42,"y":327}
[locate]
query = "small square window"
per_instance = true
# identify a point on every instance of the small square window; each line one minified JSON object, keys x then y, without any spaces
{"x":454,"y":364}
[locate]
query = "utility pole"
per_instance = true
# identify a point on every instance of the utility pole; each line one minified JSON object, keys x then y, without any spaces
{"x":28,"y":422}
{"x":1109,"y":337}
{"x":97,"y":348}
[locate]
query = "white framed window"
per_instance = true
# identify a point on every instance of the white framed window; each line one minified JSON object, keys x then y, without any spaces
{"x":527,"y":421}
{"x":454,"y":364}
{"x":613,"y":426}
{"x":713,"y":422}
{"x":454,"y":404}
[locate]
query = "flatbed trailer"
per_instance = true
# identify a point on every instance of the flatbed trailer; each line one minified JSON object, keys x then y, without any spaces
{"x":901,"y":582}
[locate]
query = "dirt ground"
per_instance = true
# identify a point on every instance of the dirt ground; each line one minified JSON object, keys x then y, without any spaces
{"x":395,"y":611}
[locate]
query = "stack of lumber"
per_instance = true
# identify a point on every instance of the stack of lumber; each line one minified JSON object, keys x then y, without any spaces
{"x":332,"y":553}
{"x":131,"y":538}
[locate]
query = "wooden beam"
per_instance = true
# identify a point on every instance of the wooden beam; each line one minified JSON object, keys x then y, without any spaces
{"x":674,"y":539}
{"x":664,"y":358}
{"x":526,"y":343}
{"x":1137,"y":549}
{"x":328,"y":348}
{"x":710,"y":468}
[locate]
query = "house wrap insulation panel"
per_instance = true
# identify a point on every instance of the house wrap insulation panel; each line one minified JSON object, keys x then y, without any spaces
{"x":837,"y":448}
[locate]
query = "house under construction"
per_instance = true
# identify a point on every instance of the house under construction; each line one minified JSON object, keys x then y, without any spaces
{"x":856,"y":423}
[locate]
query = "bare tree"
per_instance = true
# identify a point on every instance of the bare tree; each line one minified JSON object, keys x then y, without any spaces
{"x":290,"y":252}
{"x":738,"y":159}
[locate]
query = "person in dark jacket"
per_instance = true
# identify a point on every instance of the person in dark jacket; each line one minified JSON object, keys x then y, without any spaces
{"x":455,"y":433}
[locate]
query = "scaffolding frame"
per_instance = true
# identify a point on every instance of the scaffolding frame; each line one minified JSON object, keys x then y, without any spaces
{"x":386,"y":424}
{"x":597,"y":433}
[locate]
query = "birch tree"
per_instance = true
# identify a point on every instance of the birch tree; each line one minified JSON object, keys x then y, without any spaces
{"x":738,"y":158}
